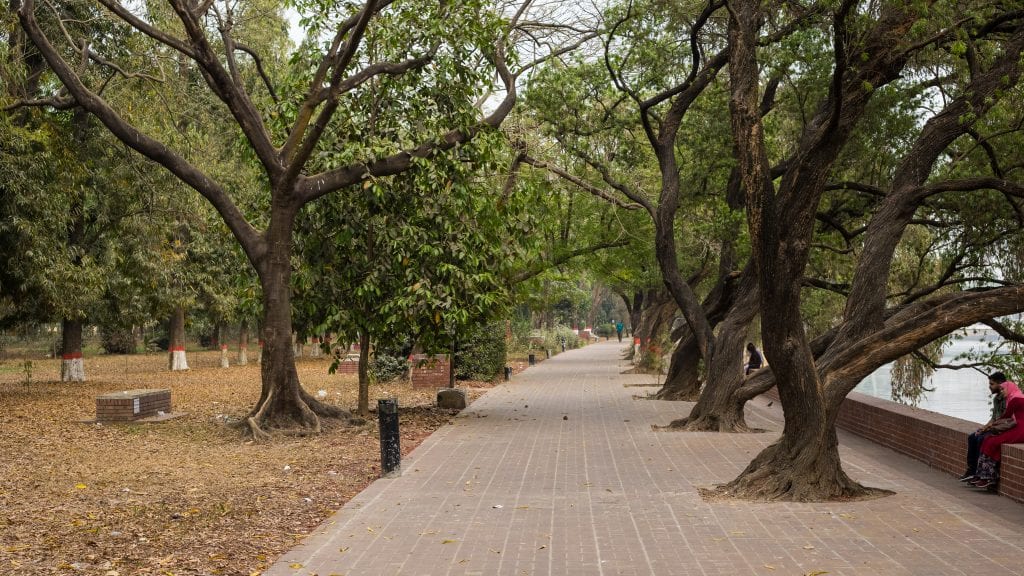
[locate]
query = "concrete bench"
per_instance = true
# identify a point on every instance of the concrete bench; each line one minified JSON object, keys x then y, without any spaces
{"x":132,"y":405}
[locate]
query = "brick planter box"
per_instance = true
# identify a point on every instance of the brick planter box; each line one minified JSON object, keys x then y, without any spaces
{"x":132,"y":405}
{"x":938,"y":440}
{"x":426,"y":371}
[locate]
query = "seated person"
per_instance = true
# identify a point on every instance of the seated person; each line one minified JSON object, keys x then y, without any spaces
{"x":974,"y":440}
{"x":755,"y":360}
{"x":991,"y":447}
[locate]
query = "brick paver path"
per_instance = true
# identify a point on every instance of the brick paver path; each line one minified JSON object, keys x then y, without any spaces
{"x":559,"y":472}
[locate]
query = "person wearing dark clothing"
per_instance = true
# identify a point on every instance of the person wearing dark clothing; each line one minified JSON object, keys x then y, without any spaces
{"x":974,"y":439}
{"x":618,"y":330}
{"x":755,"y":360}
{"x":1009,"y":433}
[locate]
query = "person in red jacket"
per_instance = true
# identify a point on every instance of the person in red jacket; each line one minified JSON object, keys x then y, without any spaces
{"x":988,"y":462}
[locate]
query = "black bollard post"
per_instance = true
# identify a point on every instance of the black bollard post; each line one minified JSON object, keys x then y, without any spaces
{"x":508,"y":373}
{"x":390,"y":448}
{"x":533,"y":359}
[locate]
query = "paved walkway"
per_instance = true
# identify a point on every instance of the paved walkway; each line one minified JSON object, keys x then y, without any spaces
{"x":559,"y":472}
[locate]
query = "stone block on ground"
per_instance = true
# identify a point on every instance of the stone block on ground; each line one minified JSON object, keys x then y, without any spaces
{"x":451,"y":398}
{"x":132,"y":405}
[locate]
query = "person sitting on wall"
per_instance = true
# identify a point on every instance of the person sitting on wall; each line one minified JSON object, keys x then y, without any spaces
{"x":991,"y":447}
{"x":755,"y":360}
{"x":975,"y":438}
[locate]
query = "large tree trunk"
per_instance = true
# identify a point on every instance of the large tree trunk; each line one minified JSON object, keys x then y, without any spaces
{"x":719,"y":408}
{"x":802,"y":466}
{"x":659,"y":309}
{"x":283,"y":403}
{"x":72,"y":368}
{"x":683,"y":379}
{"x":176,"y":359}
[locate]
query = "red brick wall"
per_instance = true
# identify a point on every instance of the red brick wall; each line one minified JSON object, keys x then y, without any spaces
{"x":427,"y":371}
{"x":120,"y":406}
{"x":938,"y":440}
{"x":348,"y":367}
{"x":1011,"y":481}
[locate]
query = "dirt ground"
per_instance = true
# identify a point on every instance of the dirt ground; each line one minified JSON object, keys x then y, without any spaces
{"x":187,"y":496}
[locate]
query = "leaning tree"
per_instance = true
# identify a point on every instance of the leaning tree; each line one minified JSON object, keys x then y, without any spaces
{"x":306,"y":122}
{"x":977,"y":55}
{"x":657,"y":102}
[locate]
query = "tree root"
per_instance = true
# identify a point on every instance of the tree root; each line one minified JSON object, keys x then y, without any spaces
{"x":676,"y":395}
{"x":775,"y":476}
{"x":308,"y":421}
{"x":708,"y":424}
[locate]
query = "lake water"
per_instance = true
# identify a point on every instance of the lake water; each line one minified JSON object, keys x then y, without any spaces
{"x":960,"y":393}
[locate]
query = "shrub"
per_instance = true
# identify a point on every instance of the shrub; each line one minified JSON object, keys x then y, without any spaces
{"x":385,"y":368}
{"x":117,"y":339}
{"x":481,"y":353}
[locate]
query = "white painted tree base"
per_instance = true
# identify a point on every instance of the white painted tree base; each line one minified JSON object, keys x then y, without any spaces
{"x":72,"y":370}
{"x":243,"y":358}
{"x":178,"y":361}
{"x":315,"y":351}
{"x":224,"y":358}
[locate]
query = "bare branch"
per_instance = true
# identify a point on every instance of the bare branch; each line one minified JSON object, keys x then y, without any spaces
{"x":602,"y":194}
{"x":259,"y":68}
{"x":565,"y":257}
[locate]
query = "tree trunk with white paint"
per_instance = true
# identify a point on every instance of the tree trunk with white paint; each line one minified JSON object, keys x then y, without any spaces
{"x":72,"y":368}
{"x":177,"y":360}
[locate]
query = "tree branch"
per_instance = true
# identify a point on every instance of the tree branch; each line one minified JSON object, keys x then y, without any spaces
{"x":563,"y":258}
{"x":527,"y":159}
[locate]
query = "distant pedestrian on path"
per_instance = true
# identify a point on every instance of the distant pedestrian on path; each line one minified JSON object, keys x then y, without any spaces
{"x":755,"y":360}
{"x":995,"y":381}
{"x":991,"y":447}
{"x":618,"y":329}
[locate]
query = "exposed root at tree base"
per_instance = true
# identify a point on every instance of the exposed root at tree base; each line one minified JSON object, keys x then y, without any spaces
{"x":723,"y":493}
{"x":707,"y":425}
{"x":638,"y":370}
{"x":677,"y":395}
{"x":261,"y":425}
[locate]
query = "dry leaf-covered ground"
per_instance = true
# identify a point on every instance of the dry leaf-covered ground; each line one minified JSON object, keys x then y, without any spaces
{"x":187,"y":496}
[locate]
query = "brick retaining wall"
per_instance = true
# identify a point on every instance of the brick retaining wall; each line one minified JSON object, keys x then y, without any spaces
{"x":428,"y":371}
{"x":938,"y":440}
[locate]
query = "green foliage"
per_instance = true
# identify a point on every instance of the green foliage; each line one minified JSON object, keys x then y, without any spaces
{"x":481,"y":352}
{"x":385,"y":368}
{"x":419,"y":255}
{"x":117,"y":339}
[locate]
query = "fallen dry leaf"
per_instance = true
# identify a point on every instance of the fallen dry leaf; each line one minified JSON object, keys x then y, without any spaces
{"x":196,"y":489}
